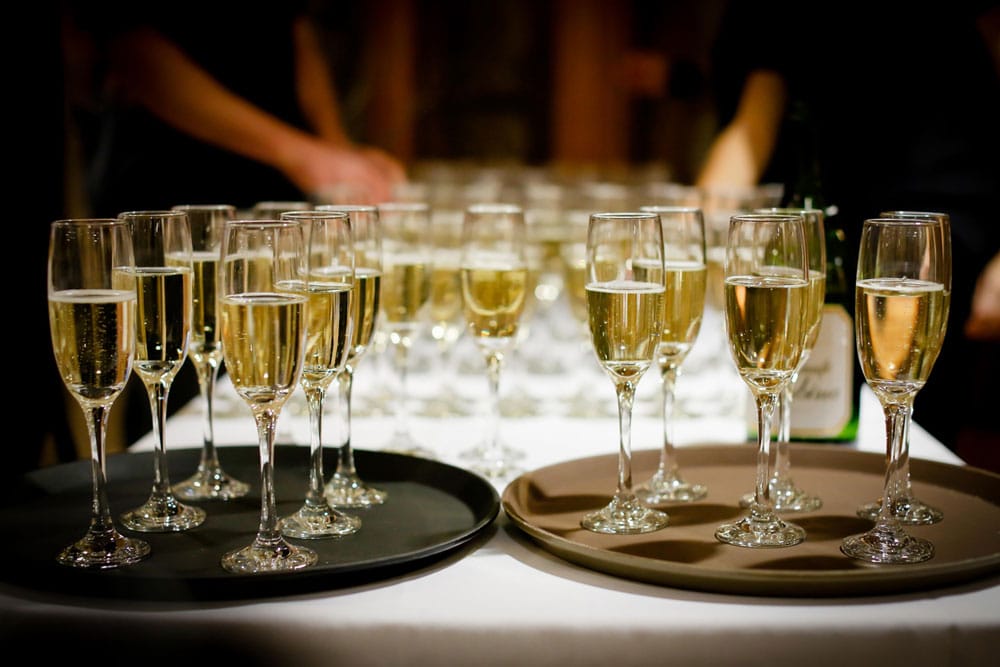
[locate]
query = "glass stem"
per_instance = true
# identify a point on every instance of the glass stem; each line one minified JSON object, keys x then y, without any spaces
{"x":208,"y":374}
{"x":494,"y":364}
{"x":447,"y":344}
{"x":401,"y":343}
{"x":782,"y":458}
{"x":902,"y":481}
{"x":766,"y":403}
{"x":626,"y":397}
{"x":345,"y":460}
{"x":158,"y":404}
{"x":267,"y":533}
{"x":668,"y":383}
{"x":100,"y":519}
{"x":897,"y":417}
{"x":315,"y":396}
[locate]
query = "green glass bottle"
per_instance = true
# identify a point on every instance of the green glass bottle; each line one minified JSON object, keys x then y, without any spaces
{"x":827,"y":393}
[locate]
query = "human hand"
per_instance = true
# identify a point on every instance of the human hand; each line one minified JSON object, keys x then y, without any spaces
{"x":321,"y":166}
{"x":984,"y":320}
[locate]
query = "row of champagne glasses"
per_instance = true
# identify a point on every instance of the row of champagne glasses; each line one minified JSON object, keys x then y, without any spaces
{"x":903,"y":285}
{"x":114,"y":284}
{"x":327,"y":285}
{"x":771,"y":278}
{"x":785,"y":495}
{"x":132,"y":294}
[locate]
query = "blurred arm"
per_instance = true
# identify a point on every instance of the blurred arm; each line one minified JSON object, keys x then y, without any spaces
{"x":165,"y":80}
{"x":984,"y":320}
{"x":314,"y":85}
{"x":320,"y":104}
{"x":742,"y":149}
{"x":161,"y":77}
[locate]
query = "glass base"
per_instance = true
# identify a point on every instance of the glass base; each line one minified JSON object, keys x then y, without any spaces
{"x":670,"y":488}
{"x":210,"y":484}
{"x":263,"y":557}
{"x":163,"y":515}
{"x":625,"y":516}
{"x":887,"y":545}
{"x":104,"y":551}
{"x":762,"y":530}
{"x":314,"y":521}
{"x":788,"y":499}
{"x":349,"y":491}
{"x":908,"y":511}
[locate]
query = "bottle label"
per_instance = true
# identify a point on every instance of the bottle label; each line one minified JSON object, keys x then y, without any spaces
{"x":823,"y":401}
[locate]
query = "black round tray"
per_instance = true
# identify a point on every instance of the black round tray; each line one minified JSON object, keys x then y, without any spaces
{"x":432,"y":510}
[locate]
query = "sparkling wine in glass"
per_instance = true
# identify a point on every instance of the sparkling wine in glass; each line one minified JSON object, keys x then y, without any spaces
{"x":785,"y":494}
{"x":346,"y":488}
{"x":407,"y":262}
{"x":447,"y":321}
{"x":901,"y":308}
{"x":581,"y":402}
{"x":164,"y":276}
{"x":685,"y":272}
{"x":264,"y":334}
{"x":327,"y":288}
{"x":494,"y":289}
{"x":92,"y":310}
{"x":625,"y":292}
{"x":209,"y":481}
{"x":909,"y":509}
{"x":766,"y":287}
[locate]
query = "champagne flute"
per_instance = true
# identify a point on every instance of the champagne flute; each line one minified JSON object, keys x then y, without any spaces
{"x":92,"y":303}
{"x":264,"y":335}
{"x":684,"y":302}
{"x":766,"y":288}
{"x":163,"y":274}
{"x":909,"y":509}
{"x":345,"y":488}
{"x":900,"y":311}
{"x":582,"y":402}
{"x":785,"y":495}
{"x":494,"y":289}
{"x":446,"y":317}
{"x":210,"y":481}
{"x":327,"y":288}
{"x":406,"y":290}
{"x":625,"y":288}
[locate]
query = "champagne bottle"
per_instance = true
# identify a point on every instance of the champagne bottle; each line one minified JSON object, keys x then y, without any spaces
{"x":827,"y":393}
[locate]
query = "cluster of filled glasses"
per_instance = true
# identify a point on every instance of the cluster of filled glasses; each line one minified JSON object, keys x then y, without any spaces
{"x":642,"y":283}
{"x":292,"y":299}
{"x":295,"y":292}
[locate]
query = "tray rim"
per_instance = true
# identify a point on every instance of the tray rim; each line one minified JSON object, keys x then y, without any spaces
{"x":873,"y":580}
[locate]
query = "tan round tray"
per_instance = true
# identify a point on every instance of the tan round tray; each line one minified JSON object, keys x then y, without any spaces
{"x":548,"y":503}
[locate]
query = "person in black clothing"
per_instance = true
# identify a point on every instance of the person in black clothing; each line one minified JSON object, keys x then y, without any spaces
{"x":214,"y":103}
{"x":876,"y":108}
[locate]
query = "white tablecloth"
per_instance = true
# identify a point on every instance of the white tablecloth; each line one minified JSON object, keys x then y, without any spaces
{"x":504,"y":600}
